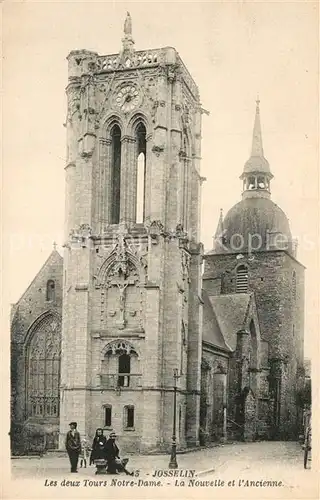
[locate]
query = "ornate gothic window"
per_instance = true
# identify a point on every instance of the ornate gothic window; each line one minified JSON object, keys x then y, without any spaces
{"x":51,"y":289}
{"x":120,"y":366}
{"x":115,"y":174}
{"x":43,"y":369}
{"x":242,"y":279}
{"x":141,"y":172}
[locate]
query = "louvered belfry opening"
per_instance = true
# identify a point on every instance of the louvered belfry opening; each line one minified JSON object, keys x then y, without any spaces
{"x":242,"y":279}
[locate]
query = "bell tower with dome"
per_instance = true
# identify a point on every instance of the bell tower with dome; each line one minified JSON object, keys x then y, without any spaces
{"x":254,"y":253}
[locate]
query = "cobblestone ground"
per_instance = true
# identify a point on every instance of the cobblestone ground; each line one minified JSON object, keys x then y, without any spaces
{"x":225,"y":468}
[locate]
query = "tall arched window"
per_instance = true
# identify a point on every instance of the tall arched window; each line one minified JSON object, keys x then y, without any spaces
{"x":43,"y":369}
{"x":141,"y":172}
{"x":242,"y":279}
{"x":184,"y":182}
{"x":115,"y":174}
{"x":51,"y":289}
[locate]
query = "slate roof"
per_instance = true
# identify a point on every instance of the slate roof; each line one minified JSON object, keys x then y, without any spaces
{"x":211,"y":331}
{"x":230,"y":313}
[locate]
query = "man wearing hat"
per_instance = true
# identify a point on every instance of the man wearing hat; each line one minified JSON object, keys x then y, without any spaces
{"x":115,"y":464}
{"x":73,"y":446}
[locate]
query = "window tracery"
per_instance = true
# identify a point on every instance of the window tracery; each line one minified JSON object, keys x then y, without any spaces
{"x":43,"y":368}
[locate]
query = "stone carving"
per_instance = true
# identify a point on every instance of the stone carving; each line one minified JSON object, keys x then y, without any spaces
{"x":73,"y":101}
{"x":156,"y":229}
{"x":128,"y":25}
{"x":139,"y":59}
{"x":119,"y":347}
{"x":157,"y":150}
{"x":185,"y":263}
{"x":171,"y":72}
{"x":81,"y":235}
{"x":121,"y":273}
{"x":221,"y":369}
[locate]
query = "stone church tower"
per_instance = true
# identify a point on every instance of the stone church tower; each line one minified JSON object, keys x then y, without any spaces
{"x":254,"y":253}
{"x":132,"y":311}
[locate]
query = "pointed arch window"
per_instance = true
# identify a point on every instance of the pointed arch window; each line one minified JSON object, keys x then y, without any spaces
{"x":115,"y":174}
{"x":184,"y":182}
{"x":141,"y":172}
{"x":242,"y":279}
{"x":120,"y":366}
{"x":43,"y":370}
{"x":51,"y":290}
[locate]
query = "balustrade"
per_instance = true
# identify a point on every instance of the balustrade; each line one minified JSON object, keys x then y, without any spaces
{"x":121,"y":381}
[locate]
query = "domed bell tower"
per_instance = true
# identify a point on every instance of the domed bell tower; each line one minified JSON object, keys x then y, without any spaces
{"x":254,"y":254}
{"x":132,"y":282}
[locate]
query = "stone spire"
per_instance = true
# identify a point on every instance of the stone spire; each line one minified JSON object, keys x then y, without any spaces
{"x":256,"y":174}
{"x":219,"y":237}
{"x":257,"y":147}
{"x":219,"y":230}
{"x":127,"y":40}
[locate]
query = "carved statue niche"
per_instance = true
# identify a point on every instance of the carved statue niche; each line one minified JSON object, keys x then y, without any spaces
{"x":121,"y":279}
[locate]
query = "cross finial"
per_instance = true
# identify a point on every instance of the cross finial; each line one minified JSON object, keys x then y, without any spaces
{"x":54,"y":245}
{"x":258,"y":101}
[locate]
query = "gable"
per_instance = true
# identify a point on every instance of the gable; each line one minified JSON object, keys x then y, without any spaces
{"x":211,"y":332}
{"x":33,"y":302}
{"x":231,"y":312}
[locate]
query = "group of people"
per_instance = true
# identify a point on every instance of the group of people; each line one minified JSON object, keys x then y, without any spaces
{"x":101,"y":449}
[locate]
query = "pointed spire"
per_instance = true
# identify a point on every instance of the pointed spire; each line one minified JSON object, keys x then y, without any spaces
{"x":257,"y":147}
{"x":220,"y":229}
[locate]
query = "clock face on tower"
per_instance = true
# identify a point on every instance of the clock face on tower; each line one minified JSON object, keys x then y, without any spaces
{"x":128,"y":97}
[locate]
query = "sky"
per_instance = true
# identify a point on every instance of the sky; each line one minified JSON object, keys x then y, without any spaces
{"x":233,"y":50}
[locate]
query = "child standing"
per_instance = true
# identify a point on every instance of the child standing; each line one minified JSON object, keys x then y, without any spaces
{"x":84,"y":453}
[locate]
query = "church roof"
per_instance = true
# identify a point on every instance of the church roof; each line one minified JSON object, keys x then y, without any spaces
{"x":54,"y":261}
{"x":231,"y":312}
{"x":211,"y":332}
{"x":250,"y":217}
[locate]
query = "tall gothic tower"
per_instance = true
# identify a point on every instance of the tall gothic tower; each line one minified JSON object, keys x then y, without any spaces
{"x":132,"y":277}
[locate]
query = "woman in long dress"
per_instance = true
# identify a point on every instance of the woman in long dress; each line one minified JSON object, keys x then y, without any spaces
{"x":98,"y":449}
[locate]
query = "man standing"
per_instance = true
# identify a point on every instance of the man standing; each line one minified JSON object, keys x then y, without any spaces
{"x":73,"y":446}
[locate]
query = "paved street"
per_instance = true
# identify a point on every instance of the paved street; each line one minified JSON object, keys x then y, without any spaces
{"x":275,"y":469}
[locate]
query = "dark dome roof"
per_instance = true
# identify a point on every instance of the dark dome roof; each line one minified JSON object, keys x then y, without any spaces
{"x":255,"y":216}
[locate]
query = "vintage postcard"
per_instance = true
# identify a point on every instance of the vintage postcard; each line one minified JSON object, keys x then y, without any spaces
{"x":160,"y":249}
